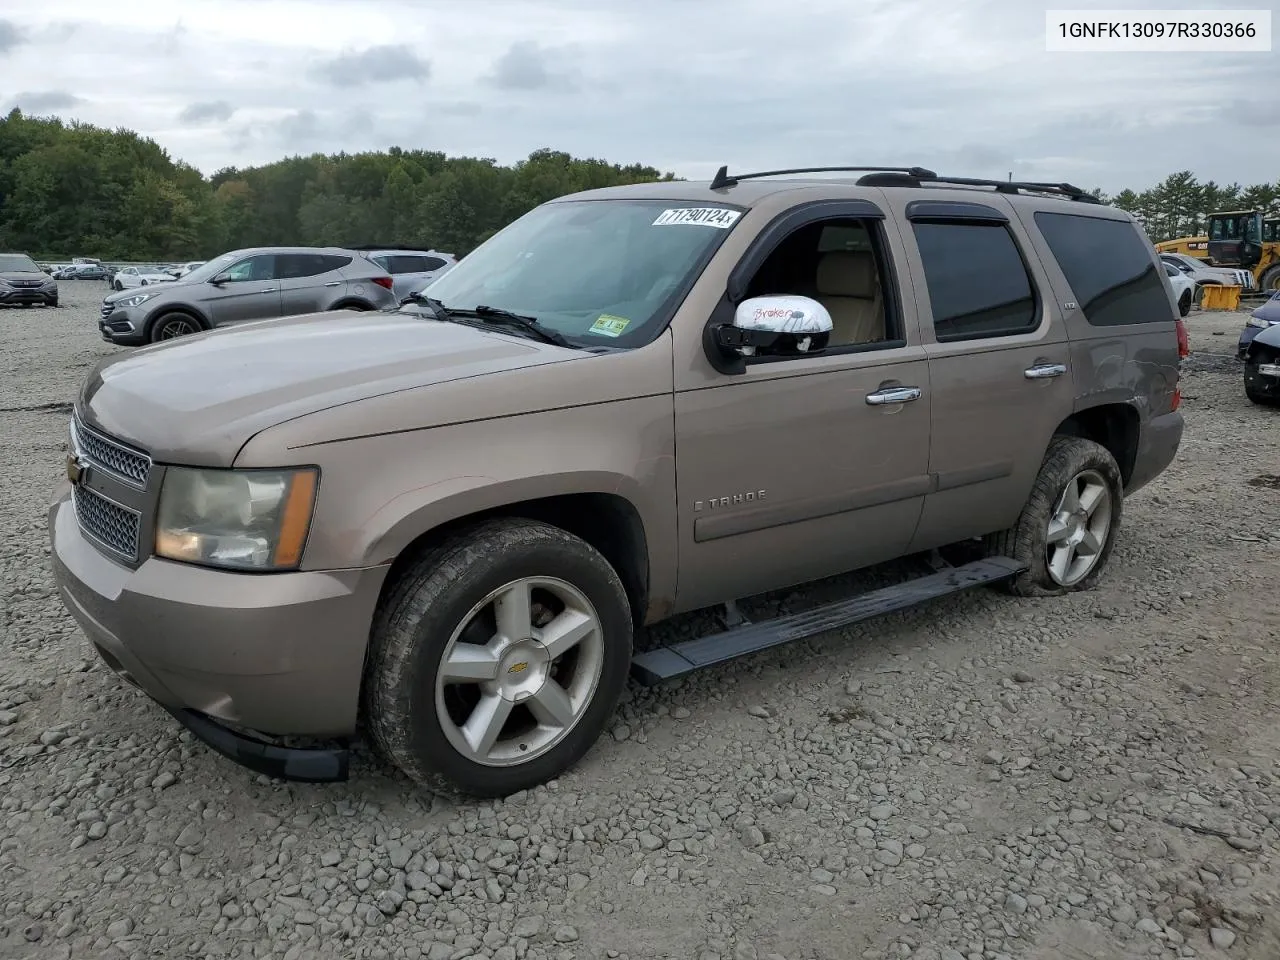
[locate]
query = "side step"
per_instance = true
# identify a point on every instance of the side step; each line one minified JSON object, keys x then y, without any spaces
{"x":666,"y":663}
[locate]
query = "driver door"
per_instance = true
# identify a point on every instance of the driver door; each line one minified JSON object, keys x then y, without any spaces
{"x":249,"y":292}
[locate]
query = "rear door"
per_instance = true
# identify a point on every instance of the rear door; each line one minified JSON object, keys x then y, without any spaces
{"x":309,"y":282}
{"x":250,"y":292}
{"x":999,"y":362}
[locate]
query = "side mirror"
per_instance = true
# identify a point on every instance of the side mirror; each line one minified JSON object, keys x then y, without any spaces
{"x":220,"y":279}
{"x":777,"y":325}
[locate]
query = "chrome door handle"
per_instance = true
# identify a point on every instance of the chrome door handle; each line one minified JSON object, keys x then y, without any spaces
{"x":893,"y":395}
{"x":334,"y":283}
{"x":268,"y":290}
{"x":1043,"y":371}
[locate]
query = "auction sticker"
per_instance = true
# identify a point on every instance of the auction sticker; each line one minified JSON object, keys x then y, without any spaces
{"x":607,"y":325}
{"x":717,"y":217}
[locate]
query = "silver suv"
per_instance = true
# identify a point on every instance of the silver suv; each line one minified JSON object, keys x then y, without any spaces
{"x":411,"y":270}
{"x":252,"y":284}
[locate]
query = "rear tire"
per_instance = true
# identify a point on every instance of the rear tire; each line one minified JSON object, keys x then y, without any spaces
{"x":1184,"y":303}
{"x":1083,"y":523}
{"x":517,"y":712}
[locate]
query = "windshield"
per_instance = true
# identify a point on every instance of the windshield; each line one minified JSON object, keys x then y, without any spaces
{"x":17,"y":263}
{"x":600,"y":272}
{"x":212,"y":268}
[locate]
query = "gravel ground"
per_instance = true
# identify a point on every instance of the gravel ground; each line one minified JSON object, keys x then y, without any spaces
{"x":1096,"y":776}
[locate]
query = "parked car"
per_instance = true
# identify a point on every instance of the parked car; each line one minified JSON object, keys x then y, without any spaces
{"x":1262,"y":367}
{"x":251,"y":284}
{"x":83,"y":271}
{"x":1184,"y":288}
{"x":411,"y":270}
{"x":181,"y":270}
{"x":130,"y":278}
{"x":1264,"y":317}
{"x":23,"y":283}
{"x":449,"y":519}
{"x":1202,"y":273}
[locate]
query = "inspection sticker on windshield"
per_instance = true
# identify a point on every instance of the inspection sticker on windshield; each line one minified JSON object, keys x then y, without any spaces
{"x":607,"y":325}
{"x":717,"y":217}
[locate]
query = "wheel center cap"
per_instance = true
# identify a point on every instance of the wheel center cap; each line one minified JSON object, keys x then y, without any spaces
{"x":523,"y":669}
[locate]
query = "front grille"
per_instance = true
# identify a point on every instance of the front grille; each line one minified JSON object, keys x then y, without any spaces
{"x":107,"y":310}
{"x":112,"y":525}
{"x":131,"y":465}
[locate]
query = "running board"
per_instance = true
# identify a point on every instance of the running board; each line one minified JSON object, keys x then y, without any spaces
{"x":667,"y":663}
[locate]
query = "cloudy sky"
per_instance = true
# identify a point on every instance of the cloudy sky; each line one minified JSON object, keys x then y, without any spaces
{"x":684,"y":85}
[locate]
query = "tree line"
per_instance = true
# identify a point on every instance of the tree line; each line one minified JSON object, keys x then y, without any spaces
{"x":74,"y":189}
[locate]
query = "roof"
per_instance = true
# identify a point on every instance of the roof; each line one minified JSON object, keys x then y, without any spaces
{"x":748,"y":189}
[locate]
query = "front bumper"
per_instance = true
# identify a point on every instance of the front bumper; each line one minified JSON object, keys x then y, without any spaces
{"x":123,"y":325}
{"x":227,"y":653}
{"x":1246,"y":338}
{"x":11,"y":296}
{"x":1263,"y":379}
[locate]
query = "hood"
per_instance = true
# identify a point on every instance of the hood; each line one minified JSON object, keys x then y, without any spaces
{"x":151,"y":288}
{"x":198,"y":399}
{"x":1269,"y":310}
{"x":22,"y":276}
{"x":1269,"y":337}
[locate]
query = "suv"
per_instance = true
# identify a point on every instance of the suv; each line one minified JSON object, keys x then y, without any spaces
{"x":411,"y":270}
{"x":446,"y":524}
{"x":23,"y":282}
{"x":253,"y":284}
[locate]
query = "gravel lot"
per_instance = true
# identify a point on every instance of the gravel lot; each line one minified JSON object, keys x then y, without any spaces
{"x":1091,"y":777}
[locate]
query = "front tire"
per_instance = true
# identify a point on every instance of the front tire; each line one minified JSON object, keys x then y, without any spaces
{"x":1184,"y":303}
{"x":1068,"y":527}
{"x":173,"y":325}
{"x":118,"y":285}
{"x":497,"y":659}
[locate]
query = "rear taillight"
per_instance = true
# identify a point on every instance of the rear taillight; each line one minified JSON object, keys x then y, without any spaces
{"x":1184,"y":342}
{"x":383,"y":282}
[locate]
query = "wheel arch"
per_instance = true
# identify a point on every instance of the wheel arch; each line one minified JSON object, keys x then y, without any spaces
{"x":1116,"y":426}
{"x":607,"y":521}
{"x":348,"y":303}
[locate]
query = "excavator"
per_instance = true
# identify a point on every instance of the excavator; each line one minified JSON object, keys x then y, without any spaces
{"x":1237,"y":238}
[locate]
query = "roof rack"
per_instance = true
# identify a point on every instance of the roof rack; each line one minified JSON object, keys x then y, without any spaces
{"x":915,"y":177}
{"x":722,"y":178}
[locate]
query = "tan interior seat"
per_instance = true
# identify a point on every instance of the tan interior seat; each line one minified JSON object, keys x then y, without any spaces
{"x":848,"y":286}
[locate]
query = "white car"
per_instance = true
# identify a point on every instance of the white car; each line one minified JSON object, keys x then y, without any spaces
{"x":1184,"y":288}
{"x":182,"y":269}
{"x":1202,"y":273}
{"x":131,"y":277}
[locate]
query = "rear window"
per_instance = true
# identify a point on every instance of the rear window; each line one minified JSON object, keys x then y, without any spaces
{"x":978,"y":284}
{"x":1110,"y":269}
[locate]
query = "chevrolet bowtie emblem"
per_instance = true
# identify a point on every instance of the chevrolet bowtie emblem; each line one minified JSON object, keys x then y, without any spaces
{"x":518,"y":667}
{"x":77,"y":469}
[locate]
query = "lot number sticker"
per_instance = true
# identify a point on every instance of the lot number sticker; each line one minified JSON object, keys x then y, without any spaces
{"x":717,"y":217}
{"x":607,"y":325}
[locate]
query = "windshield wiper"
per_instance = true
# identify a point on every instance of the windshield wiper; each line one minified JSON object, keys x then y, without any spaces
{"x":489,"y":314}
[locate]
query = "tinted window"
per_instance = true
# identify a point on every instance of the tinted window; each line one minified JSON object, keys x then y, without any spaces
{"x":333,"y":261}
{"x":293,"y":265}
{"x":17,"y":263}
{"x":433,"y":263}
{"x":978,"y":284}
{"x":1109,"y":268}
{"x":403,"y":263}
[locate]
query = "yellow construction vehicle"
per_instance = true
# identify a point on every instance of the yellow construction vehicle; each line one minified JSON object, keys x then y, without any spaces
{"x":1237,"y":238}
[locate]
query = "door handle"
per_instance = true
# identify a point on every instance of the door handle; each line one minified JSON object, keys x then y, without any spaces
{"x":267,"y":290}
{"x":334,"y":283}
{"x":893,"y":395}
{"x":1043,"y":371}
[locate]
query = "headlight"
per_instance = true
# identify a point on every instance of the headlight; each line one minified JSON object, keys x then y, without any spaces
{"x":134,"y":301}
{"x":240,"y":519}
{"x":1258,"y":322}
{"x":50,"y":282}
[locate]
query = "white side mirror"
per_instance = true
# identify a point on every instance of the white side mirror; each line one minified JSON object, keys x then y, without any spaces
{"x":785,"y":325}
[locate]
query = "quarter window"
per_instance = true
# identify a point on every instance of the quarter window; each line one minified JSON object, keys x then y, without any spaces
{"x":1109,"y":267}
{"x":978,"y":284}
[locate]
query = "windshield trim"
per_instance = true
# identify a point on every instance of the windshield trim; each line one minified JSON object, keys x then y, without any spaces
{"x":662,"y":316}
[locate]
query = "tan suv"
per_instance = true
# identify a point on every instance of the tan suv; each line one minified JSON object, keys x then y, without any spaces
{"x":443,"y":524}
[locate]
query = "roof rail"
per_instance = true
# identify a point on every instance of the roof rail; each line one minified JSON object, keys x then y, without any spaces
{"x":722,"y":178}
{"x":915,"y":177}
